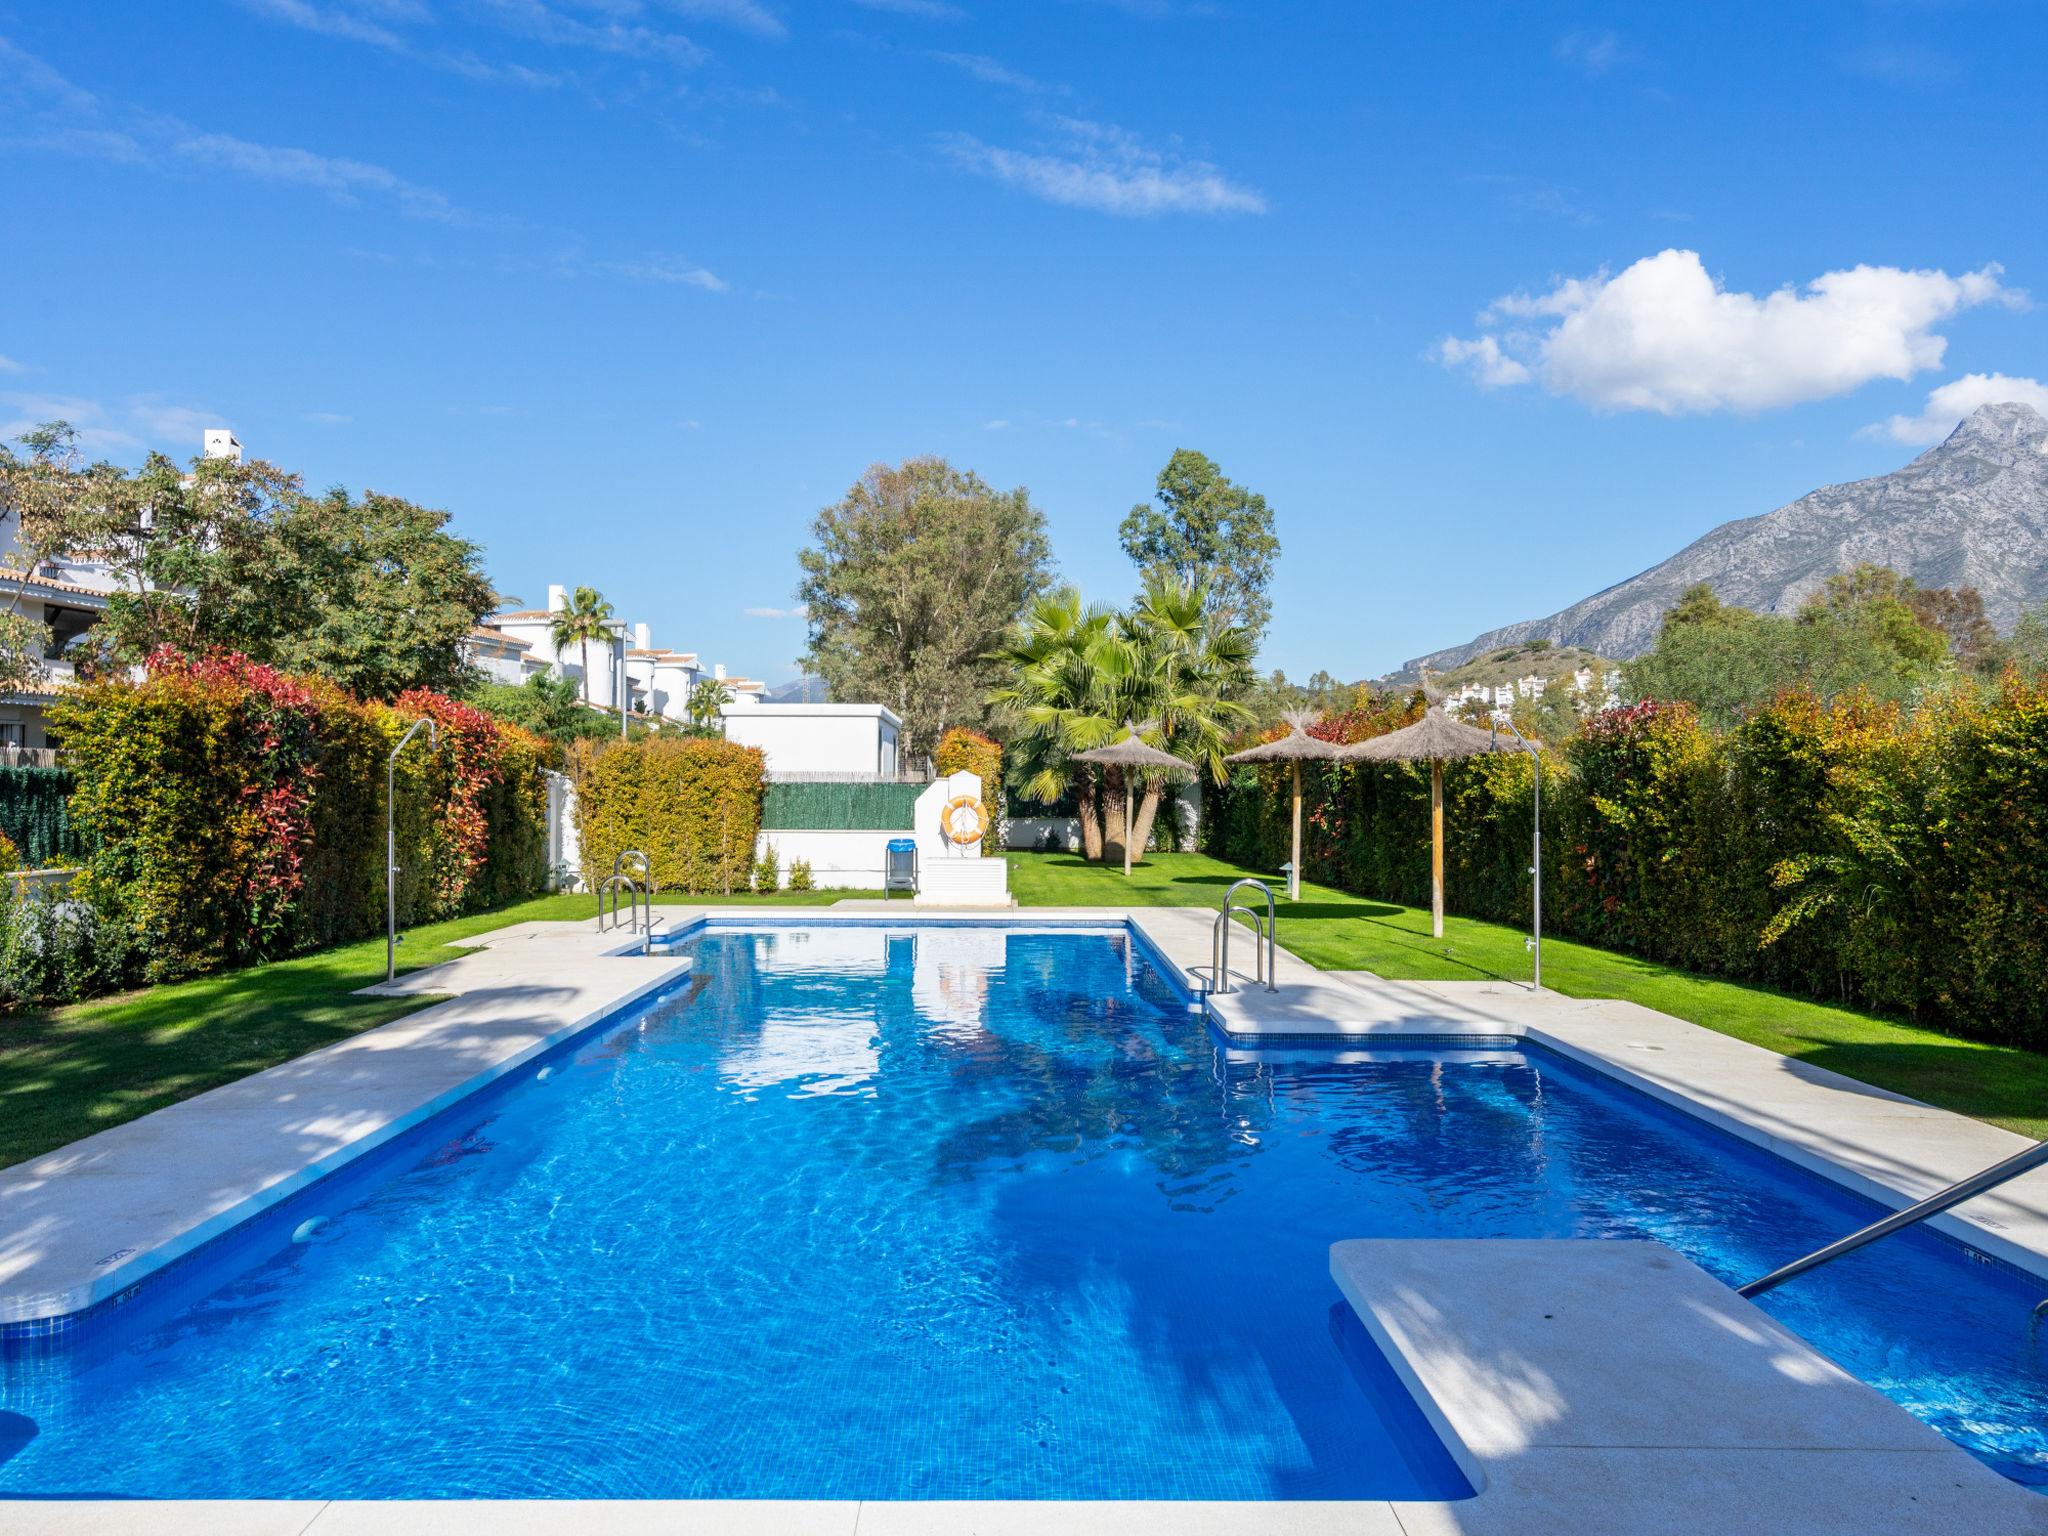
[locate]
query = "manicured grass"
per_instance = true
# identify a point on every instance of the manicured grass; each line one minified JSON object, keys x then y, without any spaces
{"x":1336,"y":931}
{"x":74,"y":1070}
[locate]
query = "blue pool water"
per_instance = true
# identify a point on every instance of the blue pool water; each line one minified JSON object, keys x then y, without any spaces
{"x":945,"y":1213}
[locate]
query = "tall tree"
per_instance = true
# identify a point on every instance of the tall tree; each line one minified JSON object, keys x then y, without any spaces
{"x":586,"y":618}
{"x":1208,"y":533}
{"x":1858,"y":634}
{"x":376,"y":594}
{"x":914,"y":578}
{"x":390,"y":594}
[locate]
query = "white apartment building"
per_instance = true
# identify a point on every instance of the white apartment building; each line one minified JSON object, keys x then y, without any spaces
{"x":513,"y":646}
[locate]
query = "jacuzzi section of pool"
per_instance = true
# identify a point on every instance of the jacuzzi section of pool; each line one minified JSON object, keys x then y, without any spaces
{"x":902,"y":1212}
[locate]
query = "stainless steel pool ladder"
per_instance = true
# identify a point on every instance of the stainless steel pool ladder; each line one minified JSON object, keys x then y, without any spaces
{"x":2035,"y":1156}
{"x":639,"y":893}
{"x":1262,"y":944}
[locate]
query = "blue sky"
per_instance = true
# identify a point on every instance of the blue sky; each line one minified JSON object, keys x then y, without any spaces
{"x":1497,"y":305}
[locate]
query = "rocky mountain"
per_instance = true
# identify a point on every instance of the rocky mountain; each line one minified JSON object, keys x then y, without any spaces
{"x":1971,"y":511}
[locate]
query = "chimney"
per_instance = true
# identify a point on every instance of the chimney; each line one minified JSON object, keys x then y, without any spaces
{"x":719,"y":671}
{"x":643,"y":637}
{"x":219,"y":443}
{"x":558,"y":598}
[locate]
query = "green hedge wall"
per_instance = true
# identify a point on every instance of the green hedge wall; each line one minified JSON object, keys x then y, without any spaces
{"x":236,"y":813}
{"x":1856,"y":853}
{"x":35,"y":813}
{"x":692,"y":805}
{"x":809,"y":807}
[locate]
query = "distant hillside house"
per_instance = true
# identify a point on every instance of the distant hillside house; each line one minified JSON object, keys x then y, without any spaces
{"x":657,"y":681}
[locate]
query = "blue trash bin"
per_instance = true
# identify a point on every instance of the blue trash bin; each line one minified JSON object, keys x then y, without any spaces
{"x":901,"y":873}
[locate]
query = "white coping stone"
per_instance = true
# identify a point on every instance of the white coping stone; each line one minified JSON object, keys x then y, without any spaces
{"x":1617,"y":1387}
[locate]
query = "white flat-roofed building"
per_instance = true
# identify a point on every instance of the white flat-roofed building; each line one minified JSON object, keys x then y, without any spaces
{"x":854,"y":739}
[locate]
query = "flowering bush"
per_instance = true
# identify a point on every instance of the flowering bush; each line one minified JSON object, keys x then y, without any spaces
{"x":235,"y":813}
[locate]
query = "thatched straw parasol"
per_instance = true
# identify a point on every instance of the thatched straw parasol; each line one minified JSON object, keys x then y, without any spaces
{"x":1435,"y":739}
{"x":1294,"y":749}
{"x":1129,"y":754}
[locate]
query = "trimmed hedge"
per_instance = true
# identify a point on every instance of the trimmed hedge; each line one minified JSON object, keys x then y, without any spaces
{"x":35,"y":815}
{"x":692,"y":804}
{"x":236,"y":813}
{"x":962,"y":749}
{"x":1857,"y":852}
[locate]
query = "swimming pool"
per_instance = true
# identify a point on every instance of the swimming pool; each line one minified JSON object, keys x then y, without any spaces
{"x":907,"y":1211}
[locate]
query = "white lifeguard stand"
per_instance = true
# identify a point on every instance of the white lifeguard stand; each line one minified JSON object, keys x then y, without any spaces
{"x":951,"y":873}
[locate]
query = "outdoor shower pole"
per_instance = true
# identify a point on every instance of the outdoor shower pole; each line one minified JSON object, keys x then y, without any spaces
{"x":391,"y":841}
{"x":1535,"y":851}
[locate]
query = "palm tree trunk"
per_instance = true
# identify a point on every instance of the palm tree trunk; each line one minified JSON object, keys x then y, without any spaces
{"x":1087,"y":802}
{"x":583,"y":645}
{"x":1112,"y":802}
{"x":1148,"y":809}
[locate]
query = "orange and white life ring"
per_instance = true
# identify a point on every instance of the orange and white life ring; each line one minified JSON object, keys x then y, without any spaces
{"x":962,"y":819}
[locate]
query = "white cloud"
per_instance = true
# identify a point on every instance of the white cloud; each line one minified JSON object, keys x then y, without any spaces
{"x":776,"y":613}
{"x":140,"y":421}
{"x":989,"y":71}
{"x":53,"y":114}
{"x":1104,"y":168}
{"x":997,"y":425}
{"x":1490,"y":366}
{"x":9,"y":365}
{"x":667,"y":269}
{"x":330,"y":21}
{"x":1662,"y":335}
{"x":1592,"y":53}
{"x":341,"y":178}
{"x":745,"y":14}
{"x":328,"y":418}
{"x":1956,"y":399}
{"x":930,"y":10}
{"x":539,"y":23}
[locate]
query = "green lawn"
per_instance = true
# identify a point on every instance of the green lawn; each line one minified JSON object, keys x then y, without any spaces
{"x":1336,"y":931}
{"x":72,"y":1071}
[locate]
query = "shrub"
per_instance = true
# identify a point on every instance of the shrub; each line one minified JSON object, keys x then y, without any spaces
{"x":58,"y":948}
{"x":800,"y":877}
{"x":10,"y":856}
{"x":692,"y":804}
{"x":768,"y":872}
{"x":962,"y":749}
{"x":235,"y":813}
{"x":1855,"y":851}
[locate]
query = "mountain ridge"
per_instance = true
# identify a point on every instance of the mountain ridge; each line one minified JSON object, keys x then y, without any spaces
{"x":1970,"y":511}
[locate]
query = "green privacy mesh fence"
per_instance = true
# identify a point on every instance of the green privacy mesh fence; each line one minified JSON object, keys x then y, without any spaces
{"x":35,"y":814}
{"x":823,"y":807}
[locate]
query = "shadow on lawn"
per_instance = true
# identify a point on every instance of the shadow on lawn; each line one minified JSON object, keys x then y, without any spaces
{"x":1952,"y":1077}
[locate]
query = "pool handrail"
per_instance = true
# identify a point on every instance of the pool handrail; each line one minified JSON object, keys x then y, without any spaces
{"x":1963,"y":1189}
{"x":1219,"y":938}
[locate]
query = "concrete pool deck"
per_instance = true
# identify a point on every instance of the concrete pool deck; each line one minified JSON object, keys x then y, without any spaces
{"x":162,"y":1185}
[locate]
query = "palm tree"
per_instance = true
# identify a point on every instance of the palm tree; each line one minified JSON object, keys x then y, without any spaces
{"x":586,"y":618}
{"x":1057,"y":657}
{"x":1081,"y":671}
{"x":1188,"y":663}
